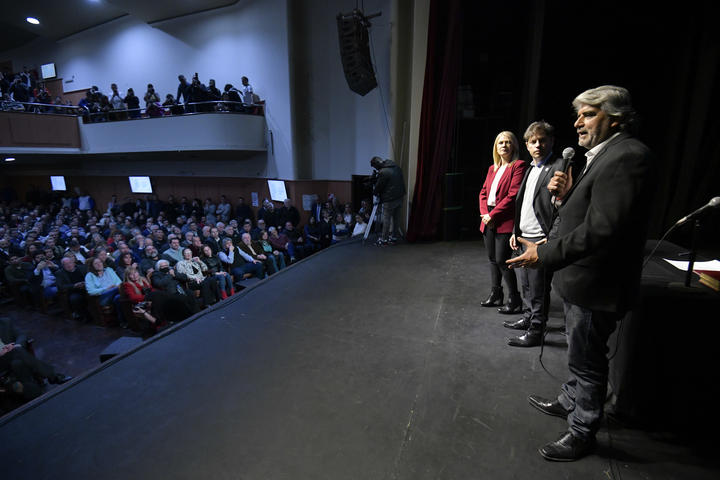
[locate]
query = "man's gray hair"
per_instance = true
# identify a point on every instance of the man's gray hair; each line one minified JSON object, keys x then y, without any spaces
{"x":613,"y":100}
{"x":157,"y":264}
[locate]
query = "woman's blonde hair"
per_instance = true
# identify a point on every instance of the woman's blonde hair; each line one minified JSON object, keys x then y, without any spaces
{"x":515,"y":146}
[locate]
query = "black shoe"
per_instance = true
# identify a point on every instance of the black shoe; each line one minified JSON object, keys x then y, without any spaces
{"x":531,"y":338}
{"x":513,"y":306}
{"x":568,"y":448}
{"x":549,"y":407}
{"x":495,"y":299}
{"x":59,"y":379}
{"x":522,"y":324}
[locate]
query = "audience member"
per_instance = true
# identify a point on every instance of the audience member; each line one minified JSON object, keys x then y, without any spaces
{"x":27,"y":372}
{"x":212,"y":91}
{"x":173,"y":253}
{"x":223,"y":210}
{"x":243,"y":211}
{"x":256,"y":253}
{"x":360,"y":226}
{"x":125,"y":261}
{"x":104,"y":284}
{"x":257,"y":231}
{"x":340,"y":229}
{"x":118,"y":105}
{"x":17,"y":276}
{"x":133,"y":103}
{"x":151,"y":97}
{"x":43,"y":279}
{"x":70,"y":280}
{"x":215,"y":267}
{"x":275,"y":256}
{"x":182,"y":90}
{"x":247,"y":91}
{"x":164,"y":278}
{"x":239,"y":264}
{"x":288,"y":213}
{"x":194,"y":269}
{"x":209,"y":210}
{"x":296,"y":238}
{"x":282,"y":243}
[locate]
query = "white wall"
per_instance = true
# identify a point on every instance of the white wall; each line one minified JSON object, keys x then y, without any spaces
{"x":325,"y":131}
{"x":249,"y":38}
{"x":339,"y":130}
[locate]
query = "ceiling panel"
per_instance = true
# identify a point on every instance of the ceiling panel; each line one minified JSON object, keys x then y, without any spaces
{"x":59,"y":19}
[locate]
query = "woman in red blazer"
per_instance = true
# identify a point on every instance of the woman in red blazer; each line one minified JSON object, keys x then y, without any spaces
{"x":497,"y":211}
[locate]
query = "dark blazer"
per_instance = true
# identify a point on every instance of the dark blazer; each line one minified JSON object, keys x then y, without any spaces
{"x":504,"y":212}
{"x":65,"y":281}
{"x":602,"y":227}
{"x":256,"y":247}
{"x":542,"y":199}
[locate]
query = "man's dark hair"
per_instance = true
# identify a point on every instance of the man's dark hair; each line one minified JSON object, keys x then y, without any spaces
{"x":539,"y":126}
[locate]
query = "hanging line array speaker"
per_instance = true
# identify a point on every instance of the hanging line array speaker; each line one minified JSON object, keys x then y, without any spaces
{"x":355,"y":52}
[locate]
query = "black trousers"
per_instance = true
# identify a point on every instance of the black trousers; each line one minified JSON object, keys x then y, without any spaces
{"x":535,"y":288}
{"x":499,"y":251}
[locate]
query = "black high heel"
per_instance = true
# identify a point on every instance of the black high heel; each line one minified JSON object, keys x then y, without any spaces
{"x":495,"y":299}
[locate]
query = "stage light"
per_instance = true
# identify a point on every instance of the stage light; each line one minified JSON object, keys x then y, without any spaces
{"x":33,"y":20}
{"x":9,"y":159}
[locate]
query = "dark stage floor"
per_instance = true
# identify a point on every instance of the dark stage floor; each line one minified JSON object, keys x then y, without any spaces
{"x":358,"y":363}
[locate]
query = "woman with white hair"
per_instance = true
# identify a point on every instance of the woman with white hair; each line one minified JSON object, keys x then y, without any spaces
{"x":194,"y":269}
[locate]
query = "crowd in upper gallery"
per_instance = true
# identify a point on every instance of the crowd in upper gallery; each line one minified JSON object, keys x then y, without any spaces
{"x":24,"y":92}
{"x":170,"y":258}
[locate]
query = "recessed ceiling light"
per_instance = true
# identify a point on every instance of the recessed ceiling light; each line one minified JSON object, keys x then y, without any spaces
{"x":33,"y":20}
{"x":9,"y":159}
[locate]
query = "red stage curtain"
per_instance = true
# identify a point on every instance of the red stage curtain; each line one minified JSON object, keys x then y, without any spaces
{"x":437,"y":118}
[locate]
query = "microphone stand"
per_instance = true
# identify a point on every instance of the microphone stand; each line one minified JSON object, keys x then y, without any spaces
{"x":691,"y":254}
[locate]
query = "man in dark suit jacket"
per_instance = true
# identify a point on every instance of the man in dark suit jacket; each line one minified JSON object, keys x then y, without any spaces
{"x":597,"y":257}
{"x":71,"y":282}
{"x":534,"y":215}
{"x":24,"y":372}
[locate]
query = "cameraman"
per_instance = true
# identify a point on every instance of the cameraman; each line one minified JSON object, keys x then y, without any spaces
{"x":389,"y":189}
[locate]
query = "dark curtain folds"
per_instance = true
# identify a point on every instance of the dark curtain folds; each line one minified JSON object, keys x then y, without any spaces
{"x":689,"y":154}
{"x":437,"y":118}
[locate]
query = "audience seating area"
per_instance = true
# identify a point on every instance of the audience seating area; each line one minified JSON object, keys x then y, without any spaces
{"x":110,"y":266}
{"x":144,"y":264}
{"x":24,"y":92}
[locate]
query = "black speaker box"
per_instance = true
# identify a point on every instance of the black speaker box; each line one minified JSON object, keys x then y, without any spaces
{"x":355,"y":52}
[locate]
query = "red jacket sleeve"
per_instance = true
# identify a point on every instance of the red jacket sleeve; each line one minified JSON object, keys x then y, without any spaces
{"x":132,"y":294}
{"x":485,"y":191}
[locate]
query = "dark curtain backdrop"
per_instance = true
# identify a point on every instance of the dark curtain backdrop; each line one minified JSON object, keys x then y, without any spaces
{"x":689,"y":148}
{"x":669,"y":59}
{"x":437,"y":118}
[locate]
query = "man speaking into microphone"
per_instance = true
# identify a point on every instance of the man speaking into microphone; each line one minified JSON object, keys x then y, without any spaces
{"x":597,"y":255}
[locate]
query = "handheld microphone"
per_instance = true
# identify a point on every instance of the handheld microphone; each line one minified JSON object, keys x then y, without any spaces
{"x":713,"y":203}
{"x":567,"y":156}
